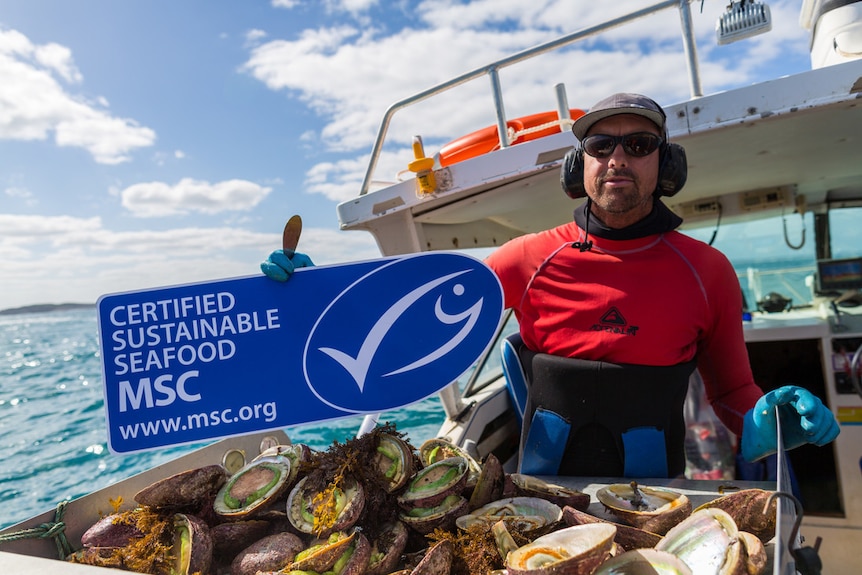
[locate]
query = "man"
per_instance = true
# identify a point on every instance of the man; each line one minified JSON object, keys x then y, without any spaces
{"x":616,"y":309}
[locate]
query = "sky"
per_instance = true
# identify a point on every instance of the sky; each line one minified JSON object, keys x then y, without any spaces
{"x":150,"y":143}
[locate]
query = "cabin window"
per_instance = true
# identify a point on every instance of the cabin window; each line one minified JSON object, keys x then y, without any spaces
{"x":845,"y":232}
{"x":772,"y":255}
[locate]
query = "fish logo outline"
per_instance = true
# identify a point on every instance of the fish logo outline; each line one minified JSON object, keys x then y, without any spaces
{"x":358,"y":365}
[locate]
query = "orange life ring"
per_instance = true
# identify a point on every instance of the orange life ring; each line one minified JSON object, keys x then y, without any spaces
{"x":487,"y":140}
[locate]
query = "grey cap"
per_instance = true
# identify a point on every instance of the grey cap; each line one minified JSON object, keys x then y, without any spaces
{"x":619,"y":104}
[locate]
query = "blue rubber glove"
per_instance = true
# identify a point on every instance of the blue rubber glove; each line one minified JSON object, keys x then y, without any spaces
{"x":804,"y":419}
{"x":280,"y":264}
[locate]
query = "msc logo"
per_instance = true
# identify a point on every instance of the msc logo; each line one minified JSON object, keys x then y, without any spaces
{"x":614,"y":322}
{"x":402,"y":332}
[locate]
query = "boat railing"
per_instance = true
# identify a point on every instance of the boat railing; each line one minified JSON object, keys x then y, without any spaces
{"x":492,"y":71}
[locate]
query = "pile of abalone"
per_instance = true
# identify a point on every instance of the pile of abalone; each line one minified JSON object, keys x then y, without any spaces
{"x":376,"y":506}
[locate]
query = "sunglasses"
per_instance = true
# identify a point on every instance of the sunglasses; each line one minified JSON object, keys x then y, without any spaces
{"x":638,"y":145}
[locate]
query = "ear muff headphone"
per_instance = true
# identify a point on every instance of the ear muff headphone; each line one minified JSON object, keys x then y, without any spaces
{"x":672,"y":171}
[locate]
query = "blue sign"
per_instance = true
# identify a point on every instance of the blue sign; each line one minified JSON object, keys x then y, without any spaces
{"x":223,"y":358}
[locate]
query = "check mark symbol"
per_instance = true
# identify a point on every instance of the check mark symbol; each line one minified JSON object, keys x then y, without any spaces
{"x":358,"y":366}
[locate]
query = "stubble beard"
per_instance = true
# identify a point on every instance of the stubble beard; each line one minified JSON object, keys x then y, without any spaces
{"x":617,"y":200}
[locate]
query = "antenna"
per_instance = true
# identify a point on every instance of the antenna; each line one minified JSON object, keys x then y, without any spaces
{"x":743,"y":19}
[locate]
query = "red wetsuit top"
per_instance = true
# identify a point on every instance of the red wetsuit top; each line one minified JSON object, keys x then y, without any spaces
{"x":660,"y":299}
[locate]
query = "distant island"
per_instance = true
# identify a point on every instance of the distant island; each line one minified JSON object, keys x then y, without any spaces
{"x":45,"y":307}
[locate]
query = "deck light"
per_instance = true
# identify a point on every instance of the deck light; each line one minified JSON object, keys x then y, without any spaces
{"x":743,"y":19}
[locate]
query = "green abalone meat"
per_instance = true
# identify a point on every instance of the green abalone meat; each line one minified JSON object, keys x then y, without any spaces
{"x":253,"y":488}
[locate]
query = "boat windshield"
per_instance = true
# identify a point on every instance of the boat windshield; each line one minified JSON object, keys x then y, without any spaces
{"x":771,"y":256}
{"x":778,"y":256}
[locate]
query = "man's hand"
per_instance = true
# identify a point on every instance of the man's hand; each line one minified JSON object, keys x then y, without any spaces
{"x":804,"y":419}
{"x":280,"y":264}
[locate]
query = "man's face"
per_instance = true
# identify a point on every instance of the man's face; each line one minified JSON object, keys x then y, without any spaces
{"x":620,"y":185}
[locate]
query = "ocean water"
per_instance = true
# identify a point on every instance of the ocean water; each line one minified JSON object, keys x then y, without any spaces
{"x":53,"y":435}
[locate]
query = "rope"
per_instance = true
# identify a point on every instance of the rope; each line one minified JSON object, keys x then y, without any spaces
{"x":513,"y":135}
{"x":54,"y":530}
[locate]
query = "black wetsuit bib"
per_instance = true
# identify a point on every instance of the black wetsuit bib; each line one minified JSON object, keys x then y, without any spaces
{"x":598,"y":419}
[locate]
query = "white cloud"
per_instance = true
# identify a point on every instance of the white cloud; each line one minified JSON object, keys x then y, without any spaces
{"x":482,"y":13}
{"x":16,"y":192}
{"x":58,"y":58}
{"x":338,"y":181}
{"x":62,"y":259}
{"x":152,"y":199}
{"x":33,"y":103}
{"x":252,"y":37}
{"x":352,"y":6}
{"x":108,"y":139}
{"x":341,"y":180}
{"x":52,"y":56}
{"x":350,"y":76}
{"x":355,"y":7}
